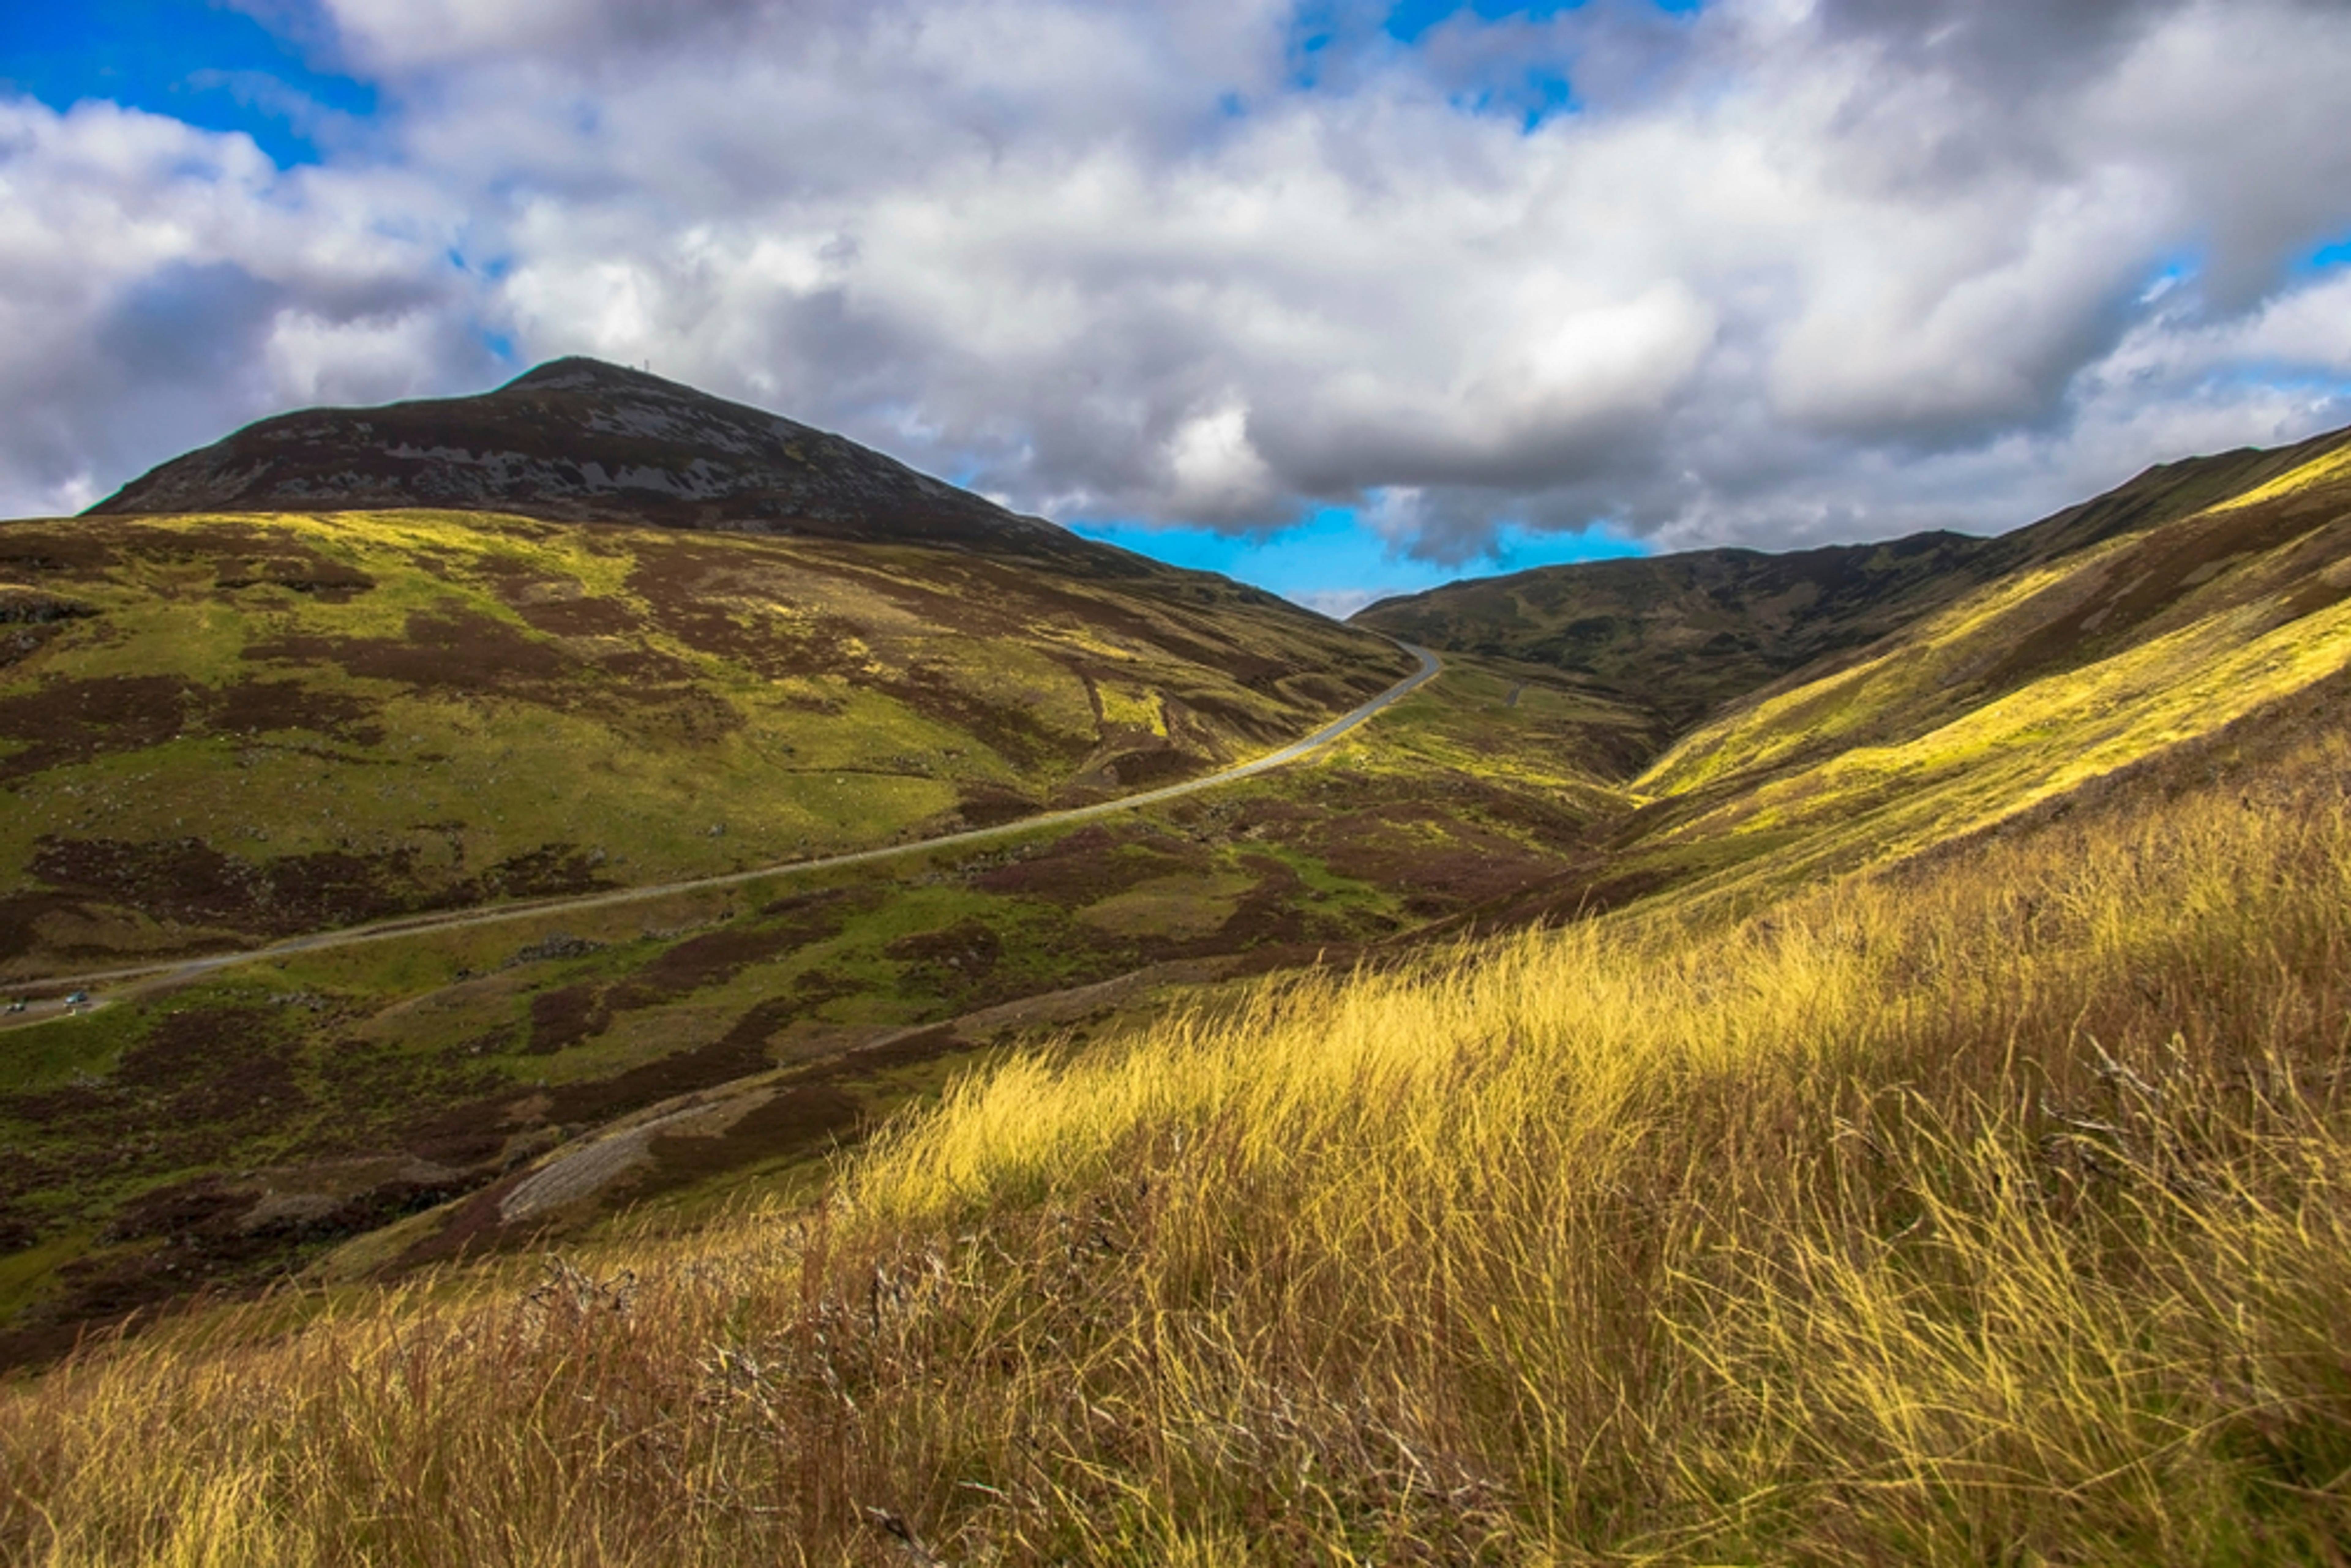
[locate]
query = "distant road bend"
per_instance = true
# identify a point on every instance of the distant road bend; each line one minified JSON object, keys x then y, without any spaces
{"x":458,"y":919}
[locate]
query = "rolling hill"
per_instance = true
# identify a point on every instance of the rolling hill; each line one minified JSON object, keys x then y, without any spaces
{"x":1686,"y":633}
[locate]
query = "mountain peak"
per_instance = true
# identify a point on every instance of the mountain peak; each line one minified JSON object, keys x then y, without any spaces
{"x":581,"y":373}
{"x":582,"y":440}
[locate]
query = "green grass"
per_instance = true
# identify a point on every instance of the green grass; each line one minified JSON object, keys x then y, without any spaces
{"x":407,"y":1034}
{"x":461,"y":694}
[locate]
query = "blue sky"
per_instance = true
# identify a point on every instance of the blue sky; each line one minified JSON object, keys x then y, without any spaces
{"x":1332,"y":561}
{"x":1341,"y":296}
{"x":203,"y":64}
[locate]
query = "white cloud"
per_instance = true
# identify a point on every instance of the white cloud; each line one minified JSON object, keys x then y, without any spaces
{"x":1788,"y":272}
{"x":165,"y":284}
{"x":1216,"y":472}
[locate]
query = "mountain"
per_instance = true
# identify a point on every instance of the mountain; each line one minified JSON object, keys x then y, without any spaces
{"x":1689,"y":633}
{"x":578,"y":440}
{"x":640,"y":637}
{"x":588,"y":630}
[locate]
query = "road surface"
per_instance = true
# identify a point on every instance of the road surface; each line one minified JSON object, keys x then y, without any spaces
{"x":175,"y":969}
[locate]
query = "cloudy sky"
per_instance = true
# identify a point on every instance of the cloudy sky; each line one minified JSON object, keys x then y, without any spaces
{"x":1340,"y":297}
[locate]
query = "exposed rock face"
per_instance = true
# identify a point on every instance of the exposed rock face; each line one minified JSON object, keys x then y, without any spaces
{"x":581,"y":441}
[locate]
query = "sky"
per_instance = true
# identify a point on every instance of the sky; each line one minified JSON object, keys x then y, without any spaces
{"x":1344,"y":298}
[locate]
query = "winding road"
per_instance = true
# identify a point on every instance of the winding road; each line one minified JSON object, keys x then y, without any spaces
{"x":175,"y":969}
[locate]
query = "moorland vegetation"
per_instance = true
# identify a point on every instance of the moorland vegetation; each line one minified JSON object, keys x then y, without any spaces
{"x":1996,"y":1208}
{"x":1898,"y":1117}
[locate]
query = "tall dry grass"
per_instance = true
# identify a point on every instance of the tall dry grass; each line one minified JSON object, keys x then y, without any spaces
{"x":1992,"y":1212}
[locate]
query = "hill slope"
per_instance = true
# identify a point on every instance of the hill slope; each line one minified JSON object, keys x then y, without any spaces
{"x":2138,"y":647}
{"x":1687,"y":633}
{"x":224,"y":727}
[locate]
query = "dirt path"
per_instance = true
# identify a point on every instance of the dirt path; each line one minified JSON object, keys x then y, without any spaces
{"x":176,"y":969}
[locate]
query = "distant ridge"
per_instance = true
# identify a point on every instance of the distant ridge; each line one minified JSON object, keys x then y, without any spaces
{"x":1687,"y":633}
{"x":578,"y":440}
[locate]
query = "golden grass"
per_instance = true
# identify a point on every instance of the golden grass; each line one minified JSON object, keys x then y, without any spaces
{"x":1999,"y":1210}
{"x":2326,"y":467}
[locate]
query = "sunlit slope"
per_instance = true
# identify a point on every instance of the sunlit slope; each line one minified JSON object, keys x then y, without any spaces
{"x":1686,"y":635}
{"x":228,"y":727}
{"x":2105,"y":659}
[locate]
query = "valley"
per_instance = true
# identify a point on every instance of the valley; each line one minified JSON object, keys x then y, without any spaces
{"x":1094,"y":1063}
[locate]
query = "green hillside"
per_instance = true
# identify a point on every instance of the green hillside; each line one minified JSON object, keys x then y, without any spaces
{"x":224,"y":731}
{"x":2204,"y":594}
{"x":2111,"y":656}
{"x":219,"y":730}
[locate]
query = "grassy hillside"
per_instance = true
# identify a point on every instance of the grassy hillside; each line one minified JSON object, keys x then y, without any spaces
{"x":1996,"y":1208}
{"x":215,"y":729}
{"x":2047,"y":680}
{"x":1937,"y":1155}
{"x":1685,"y":634}
{"x":379,"y":1107}
{"x":2050,"y":678}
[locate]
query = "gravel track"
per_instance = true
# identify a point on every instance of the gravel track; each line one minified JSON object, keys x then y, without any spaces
{"x":165,"y":973}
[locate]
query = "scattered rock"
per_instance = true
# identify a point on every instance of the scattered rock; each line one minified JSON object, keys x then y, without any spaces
{"x":555,"y":945}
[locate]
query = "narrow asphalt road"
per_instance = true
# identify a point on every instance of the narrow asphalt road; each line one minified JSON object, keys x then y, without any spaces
{"x":454,"y":920}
